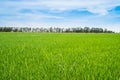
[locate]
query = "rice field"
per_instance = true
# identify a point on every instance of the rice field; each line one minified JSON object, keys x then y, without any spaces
{"x":59,"y":56}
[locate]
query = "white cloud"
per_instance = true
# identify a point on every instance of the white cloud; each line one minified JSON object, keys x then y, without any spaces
{"x":94,"y":6}
{"x":100,"y":7}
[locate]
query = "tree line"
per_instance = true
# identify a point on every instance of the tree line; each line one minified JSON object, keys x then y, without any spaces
{"x":56,"y":29}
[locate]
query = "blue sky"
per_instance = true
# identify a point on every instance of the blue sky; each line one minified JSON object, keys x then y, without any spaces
{"x":61,"y":13}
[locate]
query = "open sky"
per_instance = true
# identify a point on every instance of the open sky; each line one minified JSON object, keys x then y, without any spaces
{"x":61,"y":13}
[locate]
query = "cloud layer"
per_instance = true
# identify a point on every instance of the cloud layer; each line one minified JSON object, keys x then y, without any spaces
{"x":60,"y":12}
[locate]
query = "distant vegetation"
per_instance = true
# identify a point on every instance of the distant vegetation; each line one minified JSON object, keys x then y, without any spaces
{"x":55,"y":29}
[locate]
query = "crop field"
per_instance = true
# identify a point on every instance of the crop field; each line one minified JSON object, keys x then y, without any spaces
{"x":59,"y":56}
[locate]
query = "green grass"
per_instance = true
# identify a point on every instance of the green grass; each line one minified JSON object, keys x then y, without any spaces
{"x":59,"y":56}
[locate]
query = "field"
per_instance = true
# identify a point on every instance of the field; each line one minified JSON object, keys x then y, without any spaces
{"x":59,"y":56}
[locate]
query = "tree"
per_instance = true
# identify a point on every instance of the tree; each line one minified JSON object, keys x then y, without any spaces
{"x":55,"y":29}
{"x":86,"y":29}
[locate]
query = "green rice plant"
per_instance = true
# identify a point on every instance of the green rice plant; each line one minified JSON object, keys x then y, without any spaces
{"x":59,"y":56}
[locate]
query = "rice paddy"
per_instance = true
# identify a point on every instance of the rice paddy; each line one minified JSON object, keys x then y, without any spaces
{"x":59,"y":56}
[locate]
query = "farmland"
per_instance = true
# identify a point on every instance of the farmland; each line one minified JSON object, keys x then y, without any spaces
{"x":59,"y":56}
